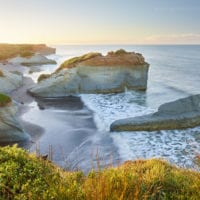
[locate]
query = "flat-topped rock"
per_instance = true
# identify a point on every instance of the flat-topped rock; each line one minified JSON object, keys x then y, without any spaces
{"x":10,"y":129}
{"x":32,"y":60}
{"x":9,"y":81}
{"x":179,"y":114}
{"x":95,"y":73}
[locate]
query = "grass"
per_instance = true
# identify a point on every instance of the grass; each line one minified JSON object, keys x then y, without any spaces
{"x":25,"y":176}
{"x":4,"y":100}
{"x":71,"y":62}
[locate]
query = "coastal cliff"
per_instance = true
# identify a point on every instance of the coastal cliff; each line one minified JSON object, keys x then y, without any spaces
{"x":8,"y":51}
{"x":9,"y":81}
{"x":95,"y":73}
{"x":10,"y":129}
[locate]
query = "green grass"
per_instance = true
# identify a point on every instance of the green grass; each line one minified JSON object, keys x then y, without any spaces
{"x":71,"y":62}
{"x":4,"y":100}
{"x":25,"y":176}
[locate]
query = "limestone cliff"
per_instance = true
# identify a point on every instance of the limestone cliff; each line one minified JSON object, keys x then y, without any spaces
{"x":95,"y":73}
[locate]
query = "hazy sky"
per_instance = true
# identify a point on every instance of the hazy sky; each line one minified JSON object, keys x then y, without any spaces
{"x":100,"y":21}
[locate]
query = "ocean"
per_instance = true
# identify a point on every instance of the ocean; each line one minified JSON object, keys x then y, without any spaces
{"x":77,"y":128}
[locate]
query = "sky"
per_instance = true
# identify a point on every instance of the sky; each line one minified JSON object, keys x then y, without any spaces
{"x":100,"y":21}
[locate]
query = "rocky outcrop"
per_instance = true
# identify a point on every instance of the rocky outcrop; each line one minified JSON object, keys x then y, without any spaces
{"x":32,"y":60}
{"x":179,"y":114}
{"x":95,"y":73}
{"x":10,"y":129}
{"x":9,"y":81}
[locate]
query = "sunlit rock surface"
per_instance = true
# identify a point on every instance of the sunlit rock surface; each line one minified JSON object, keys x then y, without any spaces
{"x":95,"y":73}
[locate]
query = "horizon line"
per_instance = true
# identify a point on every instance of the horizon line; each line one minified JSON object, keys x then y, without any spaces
{"x":114,"y":44}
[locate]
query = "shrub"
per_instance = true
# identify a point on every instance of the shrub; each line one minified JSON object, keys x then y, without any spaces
{"x":1,"y":74}
{"x":25,"y":176}
{"x":71,"y":62}
{"x":4,"y":100}
{"x":26,"y":54}
{"x":43,"y":77}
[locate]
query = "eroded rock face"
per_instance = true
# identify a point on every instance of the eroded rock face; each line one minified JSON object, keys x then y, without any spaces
{"x":95,"y":73}
{"x":10,"y":129}
{"x":179,"y":114}
{"x":9,"y":81}
{"x":32,"y":60}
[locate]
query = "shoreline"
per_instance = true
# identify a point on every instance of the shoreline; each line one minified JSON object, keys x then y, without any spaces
{"x":23,"y":101}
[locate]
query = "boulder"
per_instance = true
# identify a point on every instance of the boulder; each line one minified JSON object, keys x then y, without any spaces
{"x":9,"y":81}
{"x":10,"y":129}
{"x":95,"y":73}
{"x":36,"y":59}
{"x":179,"y":114}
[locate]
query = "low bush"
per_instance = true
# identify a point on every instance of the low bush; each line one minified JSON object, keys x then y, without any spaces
{"x":1,"y":74}
{"x":71,"y":62}
{"x":25,"y":176}
{"x":43,"y":77}
{"x":26,"y":54}
{"x":4,"y":100}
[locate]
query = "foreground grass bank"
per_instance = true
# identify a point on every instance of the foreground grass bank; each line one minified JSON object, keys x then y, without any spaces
{"x":24,"y":176}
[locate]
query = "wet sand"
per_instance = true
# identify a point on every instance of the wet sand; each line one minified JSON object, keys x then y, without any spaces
{"x":23,"y":100}
{"x":64,"y":125}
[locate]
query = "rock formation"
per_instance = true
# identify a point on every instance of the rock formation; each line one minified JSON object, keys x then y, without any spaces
{"x":9,"y":81}
{"x":32,"y":60}
{"x":10,"y":129}
{"x":95,"y":73}
{"x":179,"y":114}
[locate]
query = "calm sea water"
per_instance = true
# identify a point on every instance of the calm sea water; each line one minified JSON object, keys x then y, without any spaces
{"x":78,"y":127}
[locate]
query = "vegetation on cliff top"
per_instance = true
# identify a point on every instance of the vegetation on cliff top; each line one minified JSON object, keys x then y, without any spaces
{"x":43,"y":77}
{"x":4,"y":100}
{"x":25,"y":176}
{"x":1,"y":74}
{"x":71,"y":62}
{"x":24,"y":50}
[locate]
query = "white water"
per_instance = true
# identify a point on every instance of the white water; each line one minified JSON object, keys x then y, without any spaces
{"x":174,"y":73}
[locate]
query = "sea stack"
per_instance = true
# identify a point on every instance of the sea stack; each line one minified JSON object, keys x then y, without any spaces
{"x":95,"y":73}
{"x":180,"y":114}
